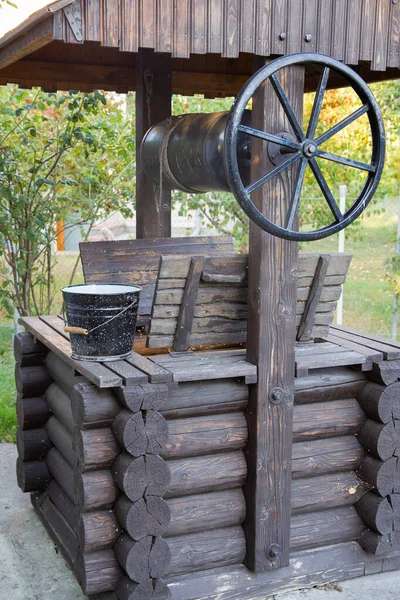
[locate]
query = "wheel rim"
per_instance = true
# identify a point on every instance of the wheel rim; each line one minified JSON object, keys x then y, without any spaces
{"x":305,"y":148}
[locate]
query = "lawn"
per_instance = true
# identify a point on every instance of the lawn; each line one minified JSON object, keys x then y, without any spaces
{"x":367,"y":296}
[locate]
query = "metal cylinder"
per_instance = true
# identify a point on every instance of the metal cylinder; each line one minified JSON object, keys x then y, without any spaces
{"x":187,"y":153}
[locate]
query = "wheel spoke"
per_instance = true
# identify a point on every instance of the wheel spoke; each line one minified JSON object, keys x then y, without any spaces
{"x":325,"y":190}
{"x":342,"y":124}
{"x":269,"y":137}
{"x":319,"y":96}
{"x":256,"y":184}
{"x":287,"y":107}
{"x":346,"y":161}
{"x":294,"y":202}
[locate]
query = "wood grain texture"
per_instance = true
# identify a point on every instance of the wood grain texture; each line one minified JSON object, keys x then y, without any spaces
{"x":186,"y":313}
{"x":271,"y":331}
{"x":320,"y":457}
{"x":144,"y":559}
{"x":384,"y":476}
{"x":32,"y":412}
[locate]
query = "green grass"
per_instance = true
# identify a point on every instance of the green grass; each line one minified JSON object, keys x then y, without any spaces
{"x":8,"y":423}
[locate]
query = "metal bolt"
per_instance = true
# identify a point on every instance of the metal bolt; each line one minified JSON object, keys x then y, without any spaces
{"x":273,"y":552}
{"x":282,"y":36}
{"x":308,"y":37}
{"x":276,"y":396}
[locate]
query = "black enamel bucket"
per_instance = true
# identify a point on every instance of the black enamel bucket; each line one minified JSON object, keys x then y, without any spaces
{"x":101,"y":320}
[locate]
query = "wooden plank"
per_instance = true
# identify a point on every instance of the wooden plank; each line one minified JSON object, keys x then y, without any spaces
{"x":130,"y":24}
{"x":370,"y":355}
{"x":339,"y":29}
{"x":181,"y":29}
{"x":308,"y":317}
{"x":263,"y":27}
{"x":391,"y":351}
{"x":325,"y":26}
{"x":353,"y":32}
{"x":153,"y":104}
{"x":40,"y":35}
{"x":112,"y":24}
{"x":199,"y":22}
{"x":164,"y":41}
{"x":272,"y":292}
{"x":332,"y":455}
{"x":186,"y":313}
{"x":154,"y":372}
{"x":336,"y":359}
{"x":367,"y":29}
{"x":278,"y":26}
{"x":295,"y":36}
{"x":215,"y":26}
{"x":198,"y":368}
{"x":380,"y":43}
{"x":92,"y":20}
{"x":310,"y":25}
{"x":247,"y":26}
{"x":130,"y":375}
{"x":96,"y":373}
{"x":147,"y":24}
{"x":231,"y":30}
{"x":394,"y":37}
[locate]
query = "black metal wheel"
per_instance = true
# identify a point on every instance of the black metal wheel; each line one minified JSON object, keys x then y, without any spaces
{"x":304,"y":147}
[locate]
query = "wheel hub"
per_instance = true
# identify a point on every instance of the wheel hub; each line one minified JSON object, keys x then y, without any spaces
{"x":309,"y":148}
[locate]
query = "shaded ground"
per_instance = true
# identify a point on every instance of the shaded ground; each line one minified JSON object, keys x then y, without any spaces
{"x":31,"y":569}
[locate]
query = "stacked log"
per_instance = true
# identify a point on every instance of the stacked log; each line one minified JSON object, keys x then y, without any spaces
{"x":77,"y":506}
{"x":380,"y":436}
{"x":143,"y":478}
{"x":325,"y":458}
{"x":33,"y":443}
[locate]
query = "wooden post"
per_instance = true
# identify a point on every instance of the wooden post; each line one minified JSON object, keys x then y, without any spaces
{"x":153,"y":104}
{"x":271,"y":343}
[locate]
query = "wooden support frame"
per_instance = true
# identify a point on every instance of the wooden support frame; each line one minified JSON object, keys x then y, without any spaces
{"x":153,"y":104}
{"x":186,"y":314}
{"x":270,"y":345}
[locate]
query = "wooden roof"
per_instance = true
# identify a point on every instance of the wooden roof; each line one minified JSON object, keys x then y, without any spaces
{"x":93,"y":43}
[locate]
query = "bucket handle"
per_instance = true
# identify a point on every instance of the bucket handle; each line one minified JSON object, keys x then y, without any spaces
{"x":82,"y":331}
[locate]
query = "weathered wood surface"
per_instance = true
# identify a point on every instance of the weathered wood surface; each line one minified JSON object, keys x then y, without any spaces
{"x":32,"y":476}
{"x":389,"y":348}
{"x":94,"y":372}
{"x":337,"y":383}
{"x":26,"y":345}
{"x":382,"y":441}
{"x":386,"y":372}
{"x":138,"y":477}
{"x":326,"y":491}
{"x":323,"y":456}
{"x":60,"y":405}
{"x":32,"y":412}
{"x":136,"y":261}
{"x":205,"y":435}
{"x":144,"y":559}
{"x":147,"y":516}
{"x":384,"y":476}
{"x":308,"y":318}
{"x":208,"y":365}
{"x":97,"y":530}
{"x":140,"y":433}
{"x":62,"y":374}
{"x":381,"y":403}
{"x":199,"y":512}
{"x":154,"y":589}
{"x":95,"y":448}
{"x":375,"y":543}
{"x":144,"y":396}
{"x":32,"y":444}
{"x":380,"y":513}
{"x":62,"y":440}
{"x":325,"y":527}
{"x":184,"y":323}
{"x":191,"y":399}
{"x":98,"y":571}
{"x":206,"y":550}
{"x":327,"y":419}
{"x":31,"y":381}
{"x":93,"y":407}
{"x":218,"y":302}
{"x":206,"y":473}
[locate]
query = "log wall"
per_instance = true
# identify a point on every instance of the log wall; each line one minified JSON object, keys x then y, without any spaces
{"x":380,"y":436}
{"x":142,"y":482}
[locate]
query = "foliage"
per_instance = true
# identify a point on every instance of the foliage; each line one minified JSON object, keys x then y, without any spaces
{"x":59,"y":154}
{"x":8,"y":2}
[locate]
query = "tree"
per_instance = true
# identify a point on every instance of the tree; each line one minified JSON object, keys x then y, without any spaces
{"x":55,"y":159}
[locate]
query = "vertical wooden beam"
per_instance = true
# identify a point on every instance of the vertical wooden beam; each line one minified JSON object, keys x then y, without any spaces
{"x":153,"y":104}
{"x":271,"y":343}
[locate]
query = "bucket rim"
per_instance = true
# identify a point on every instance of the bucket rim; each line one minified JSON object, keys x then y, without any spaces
{"x":124,"y":288}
